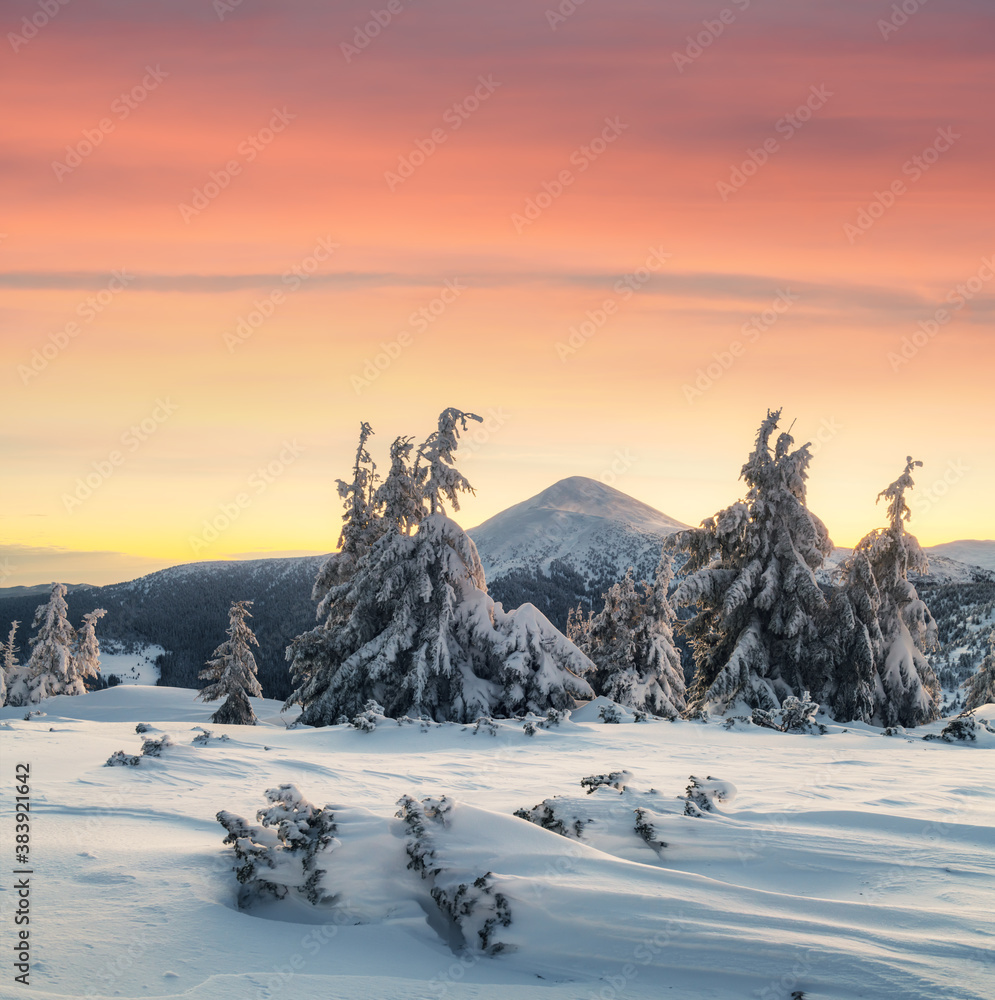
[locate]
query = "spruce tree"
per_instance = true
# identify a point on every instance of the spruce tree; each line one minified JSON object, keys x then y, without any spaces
{"x":85,"y":653}
{"x":232,"y":671}
{"x":360,"y":524}
{"x":443,"y":482}
{"x":49,"y":670}
{"x":980,"y":686}
{"x":906,"y":690}
{"x":854,"y":642}
{"x":751,"y":575}
{"x":400,"y":499}
{"x":8,"y":662}
{"x":632,"y":643}
{"x":422,"y":637}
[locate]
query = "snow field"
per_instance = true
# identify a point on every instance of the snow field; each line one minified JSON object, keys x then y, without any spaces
{"x":845,"y":865}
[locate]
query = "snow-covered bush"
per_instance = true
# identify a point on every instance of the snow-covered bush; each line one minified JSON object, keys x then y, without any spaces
{"x":610,"y":714}
{"x":645,"y":830}
{"x":477,"y":910}
{"x":142,"y":727}
{"x":701,"y":795}
{"x":472,"y":904}
{"x":798,"y":715}
{"x":150,"y":748}
{"x":371,"y":716}
{"x":965,"y":728}
{"x":614,"y":779}
{"x":154,"y":748}
{"x":553,"y":718}
{"x":545,"y":815}
{"x":283,"y":854}
{"x":416,"y":815}
{"x":204,"y":738}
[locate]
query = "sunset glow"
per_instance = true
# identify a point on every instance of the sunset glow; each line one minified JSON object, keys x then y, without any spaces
{"x":232,"y":232}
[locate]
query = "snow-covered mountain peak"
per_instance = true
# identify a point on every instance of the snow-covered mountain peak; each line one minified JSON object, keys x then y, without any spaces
{"x":581,"y":495}
{"x":594,"y":529}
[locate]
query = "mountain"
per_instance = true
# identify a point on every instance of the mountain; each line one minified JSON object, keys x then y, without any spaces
{"x":184,"y":610}
{"x":568,"y":544}
{"x":969,"y":550}
{"x":942,"y":569}
{"x":593,"y":527}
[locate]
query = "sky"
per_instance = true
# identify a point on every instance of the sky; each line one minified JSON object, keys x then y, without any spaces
{"x":619,"y":232}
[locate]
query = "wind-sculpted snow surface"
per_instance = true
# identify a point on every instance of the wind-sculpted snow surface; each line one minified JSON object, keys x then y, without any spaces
{"x":845,"y":865}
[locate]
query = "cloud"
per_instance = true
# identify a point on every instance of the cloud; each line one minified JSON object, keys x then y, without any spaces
{"x":738,"y":287}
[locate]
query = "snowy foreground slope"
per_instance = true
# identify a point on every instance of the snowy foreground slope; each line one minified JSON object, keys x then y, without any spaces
{"x":845,"y":865}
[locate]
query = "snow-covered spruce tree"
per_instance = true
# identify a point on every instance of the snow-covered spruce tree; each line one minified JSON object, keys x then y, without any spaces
{"x":400,"y":499}
{"x":906,"y":690}
{"x":85,"y":653}
{"x":8,"y":661}
{"x":442,"y":481}
{"x":49,"y":670}
{"x":855,"y":643}
{"x":631,"y":641}
{"x":422,"y":636}
{"x":360,"y":523}
{"x":980,"y":686}
{"x":751,"y":575}
{"x":232,"y":671}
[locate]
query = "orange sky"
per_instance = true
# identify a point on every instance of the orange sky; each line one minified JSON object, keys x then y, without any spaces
{"x":542,"y":164}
